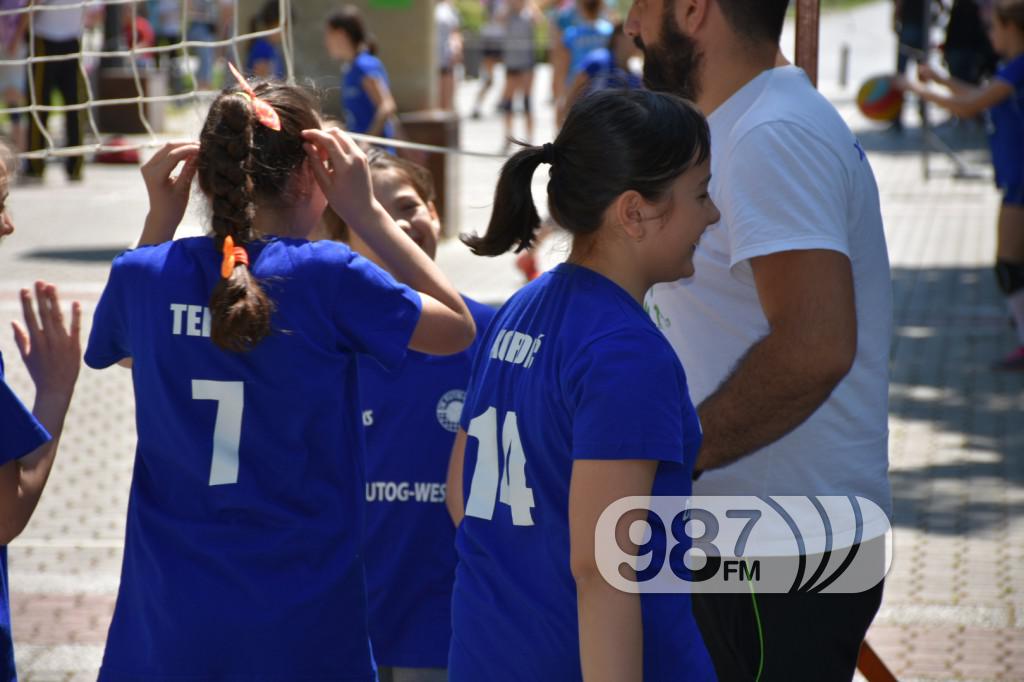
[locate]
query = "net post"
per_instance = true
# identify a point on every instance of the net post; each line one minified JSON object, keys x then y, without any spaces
{"x":808,"y":15}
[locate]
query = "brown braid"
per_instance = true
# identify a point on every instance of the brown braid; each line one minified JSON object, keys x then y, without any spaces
{"x":241,"y":165}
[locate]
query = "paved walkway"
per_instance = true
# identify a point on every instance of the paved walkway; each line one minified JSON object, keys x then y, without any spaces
{"x":954,"y":602}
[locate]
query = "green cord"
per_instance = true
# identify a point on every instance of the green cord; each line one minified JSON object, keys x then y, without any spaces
{"x":760,"y":632}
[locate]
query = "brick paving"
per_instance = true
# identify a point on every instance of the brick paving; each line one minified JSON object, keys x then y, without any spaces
{"x":954,"y":600}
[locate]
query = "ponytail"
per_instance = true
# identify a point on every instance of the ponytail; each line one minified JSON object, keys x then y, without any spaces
{"x":612,"y":141}
{"x":239,"y":308}
{"x":514,"y":219}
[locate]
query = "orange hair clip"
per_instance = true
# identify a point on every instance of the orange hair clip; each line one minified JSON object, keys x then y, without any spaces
{"x":232,"y":256}
{"x":265,"y":113}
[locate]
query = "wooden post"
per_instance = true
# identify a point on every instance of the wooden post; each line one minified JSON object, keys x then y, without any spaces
{"x":808,"y":13}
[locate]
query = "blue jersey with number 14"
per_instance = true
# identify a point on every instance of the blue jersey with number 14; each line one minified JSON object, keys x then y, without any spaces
{"x":245,"y":519}
{"x":571,"y":368}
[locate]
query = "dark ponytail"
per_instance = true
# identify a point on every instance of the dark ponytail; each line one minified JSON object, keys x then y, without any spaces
{"x":349,"y":20}
{"x":242,"y":163}
{"x":514,"y":219}
{"x":612,"y":141}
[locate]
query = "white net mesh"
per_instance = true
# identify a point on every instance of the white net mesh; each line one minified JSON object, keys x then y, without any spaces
{"x":141,"y":63}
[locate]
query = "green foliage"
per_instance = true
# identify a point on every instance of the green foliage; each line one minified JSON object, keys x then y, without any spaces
{"x":471,"y":14}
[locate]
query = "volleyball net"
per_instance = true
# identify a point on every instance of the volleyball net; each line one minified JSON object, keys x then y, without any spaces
{"x":113,"y":35}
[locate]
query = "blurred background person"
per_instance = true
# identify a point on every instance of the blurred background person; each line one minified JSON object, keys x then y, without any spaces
{"x":57,"y":32}
{"x":365,"y":90}
{"x":492,"y":37}
{"x":589,"y":31}
{"x":265,"y":59}
{"x":449,"y":50}
{"x":607,"y":67}
{"x":208,"y":20}
{"x":12,"y":76}
{"x":521,"y":18}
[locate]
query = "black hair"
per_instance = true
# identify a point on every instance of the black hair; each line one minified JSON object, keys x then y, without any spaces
{"x":349,"y":20}
{"x":612,"y":141}
{"x":758,"y":21}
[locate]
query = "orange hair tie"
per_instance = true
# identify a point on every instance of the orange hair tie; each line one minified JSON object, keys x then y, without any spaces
{"x":232,"y":256}
{"x":265,"y":113}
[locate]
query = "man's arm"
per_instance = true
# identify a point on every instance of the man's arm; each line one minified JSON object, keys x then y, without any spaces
{"x":808,"y":300}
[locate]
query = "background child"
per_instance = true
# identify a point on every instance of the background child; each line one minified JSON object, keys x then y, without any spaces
{"x":577,"y":400}
{"x":365,"y":91}
{"x":607,"y":68}
{"x":520,"y":25}
{"x":29,"y":440}
{"x":243,"y":550}
{"x":1002,"y":99}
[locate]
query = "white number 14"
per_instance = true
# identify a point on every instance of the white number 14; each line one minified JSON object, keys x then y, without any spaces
{"x":512,"y":489}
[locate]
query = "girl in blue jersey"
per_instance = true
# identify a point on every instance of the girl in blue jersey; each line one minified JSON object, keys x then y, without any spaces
{"x":28,"y":439}
{"x":1002,"y":99}
{"x":365,"y":90}
{"x":411,"y":414}
{"x":243,"y":549}
{"x":576,"y":400}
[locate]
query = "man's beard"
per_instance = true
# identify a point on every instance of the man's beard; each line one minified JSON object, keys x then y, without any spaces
{"x":673,"y":65}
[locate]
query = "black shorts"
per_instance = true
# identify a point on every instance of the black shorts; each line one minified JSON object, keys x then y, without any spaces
{"x":807,"y":637}
{"x":518,"y":72}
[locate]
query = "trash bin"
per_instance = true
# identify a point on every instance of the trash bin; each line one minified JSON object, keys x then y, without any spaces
{"x":119,"y":83}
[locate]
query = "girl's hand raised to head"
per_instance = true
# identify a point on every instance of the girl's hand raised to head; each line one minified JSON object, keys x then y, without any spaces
{"x":168,"y":193}
{"x":341,"y":170}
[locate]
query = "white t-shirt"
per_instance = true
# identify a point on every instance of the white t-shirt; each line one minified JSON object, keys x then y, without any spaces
{"x":787,"y":174}
{"x":59,"y":24}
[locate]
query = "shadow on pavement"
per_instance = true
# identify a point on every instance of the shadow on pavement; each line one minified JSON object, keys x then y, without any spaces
{"x":950,"y":324}
{"x":93,"y":255}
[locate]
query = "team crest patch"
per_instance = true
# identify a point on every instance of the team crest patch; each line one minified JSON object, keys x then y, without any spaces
{"x":449,"y":409}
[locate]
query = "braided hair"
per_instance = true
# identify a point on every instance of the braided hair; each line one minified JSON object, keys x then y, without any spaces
{"x":243,"y":165}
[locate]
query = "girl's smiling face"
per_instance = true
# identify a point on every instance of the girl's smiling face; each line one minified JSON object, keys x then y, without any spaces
{"x":418,"y":218}
{"x":689,"y":212}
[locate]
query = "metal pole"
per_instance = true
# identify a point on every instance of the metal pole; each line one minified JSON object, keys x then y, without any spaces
{"x":844,"y":65}
{"x":808,"y":13}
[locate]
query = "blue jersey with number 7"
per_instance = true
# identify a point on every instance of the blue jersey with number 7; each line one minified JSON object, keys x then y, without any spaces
{"x":245,"y":519}
{"x":570,"y":368}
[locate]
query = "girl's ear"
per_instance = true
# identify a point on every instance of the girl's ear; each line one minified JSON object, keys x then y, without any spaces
{"x":628,"y":211}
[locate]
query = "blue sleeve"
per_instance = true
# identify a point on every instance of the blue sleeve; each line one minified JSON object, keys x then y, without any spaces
{"x":594,"y":63}
{"x":21,"y":431}
{"x":375,"y":314}
{"x":368,"y":65}
{"x":108,"y":340}
{"x":1013,"y":73}
{"x":482,"y":316}
{"x":628,"y":399}
{"x":569,"y":37}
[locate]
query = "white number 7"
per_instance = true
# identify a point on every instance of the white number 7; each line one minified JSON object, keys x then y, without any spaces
{"x":227,"y":429}
{"x":512,"y":489}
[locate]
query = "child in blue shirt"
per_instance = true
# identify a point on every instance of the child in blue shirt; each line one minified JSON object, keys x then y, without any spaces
{"x":576,"y":400}
{"x":607,"y":67}
{"x":1002,"y":99}
{"x":28,"y":439}
{"x":410,"y":415}
{"x":365,"y":90}
{"x":243,"y":549}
